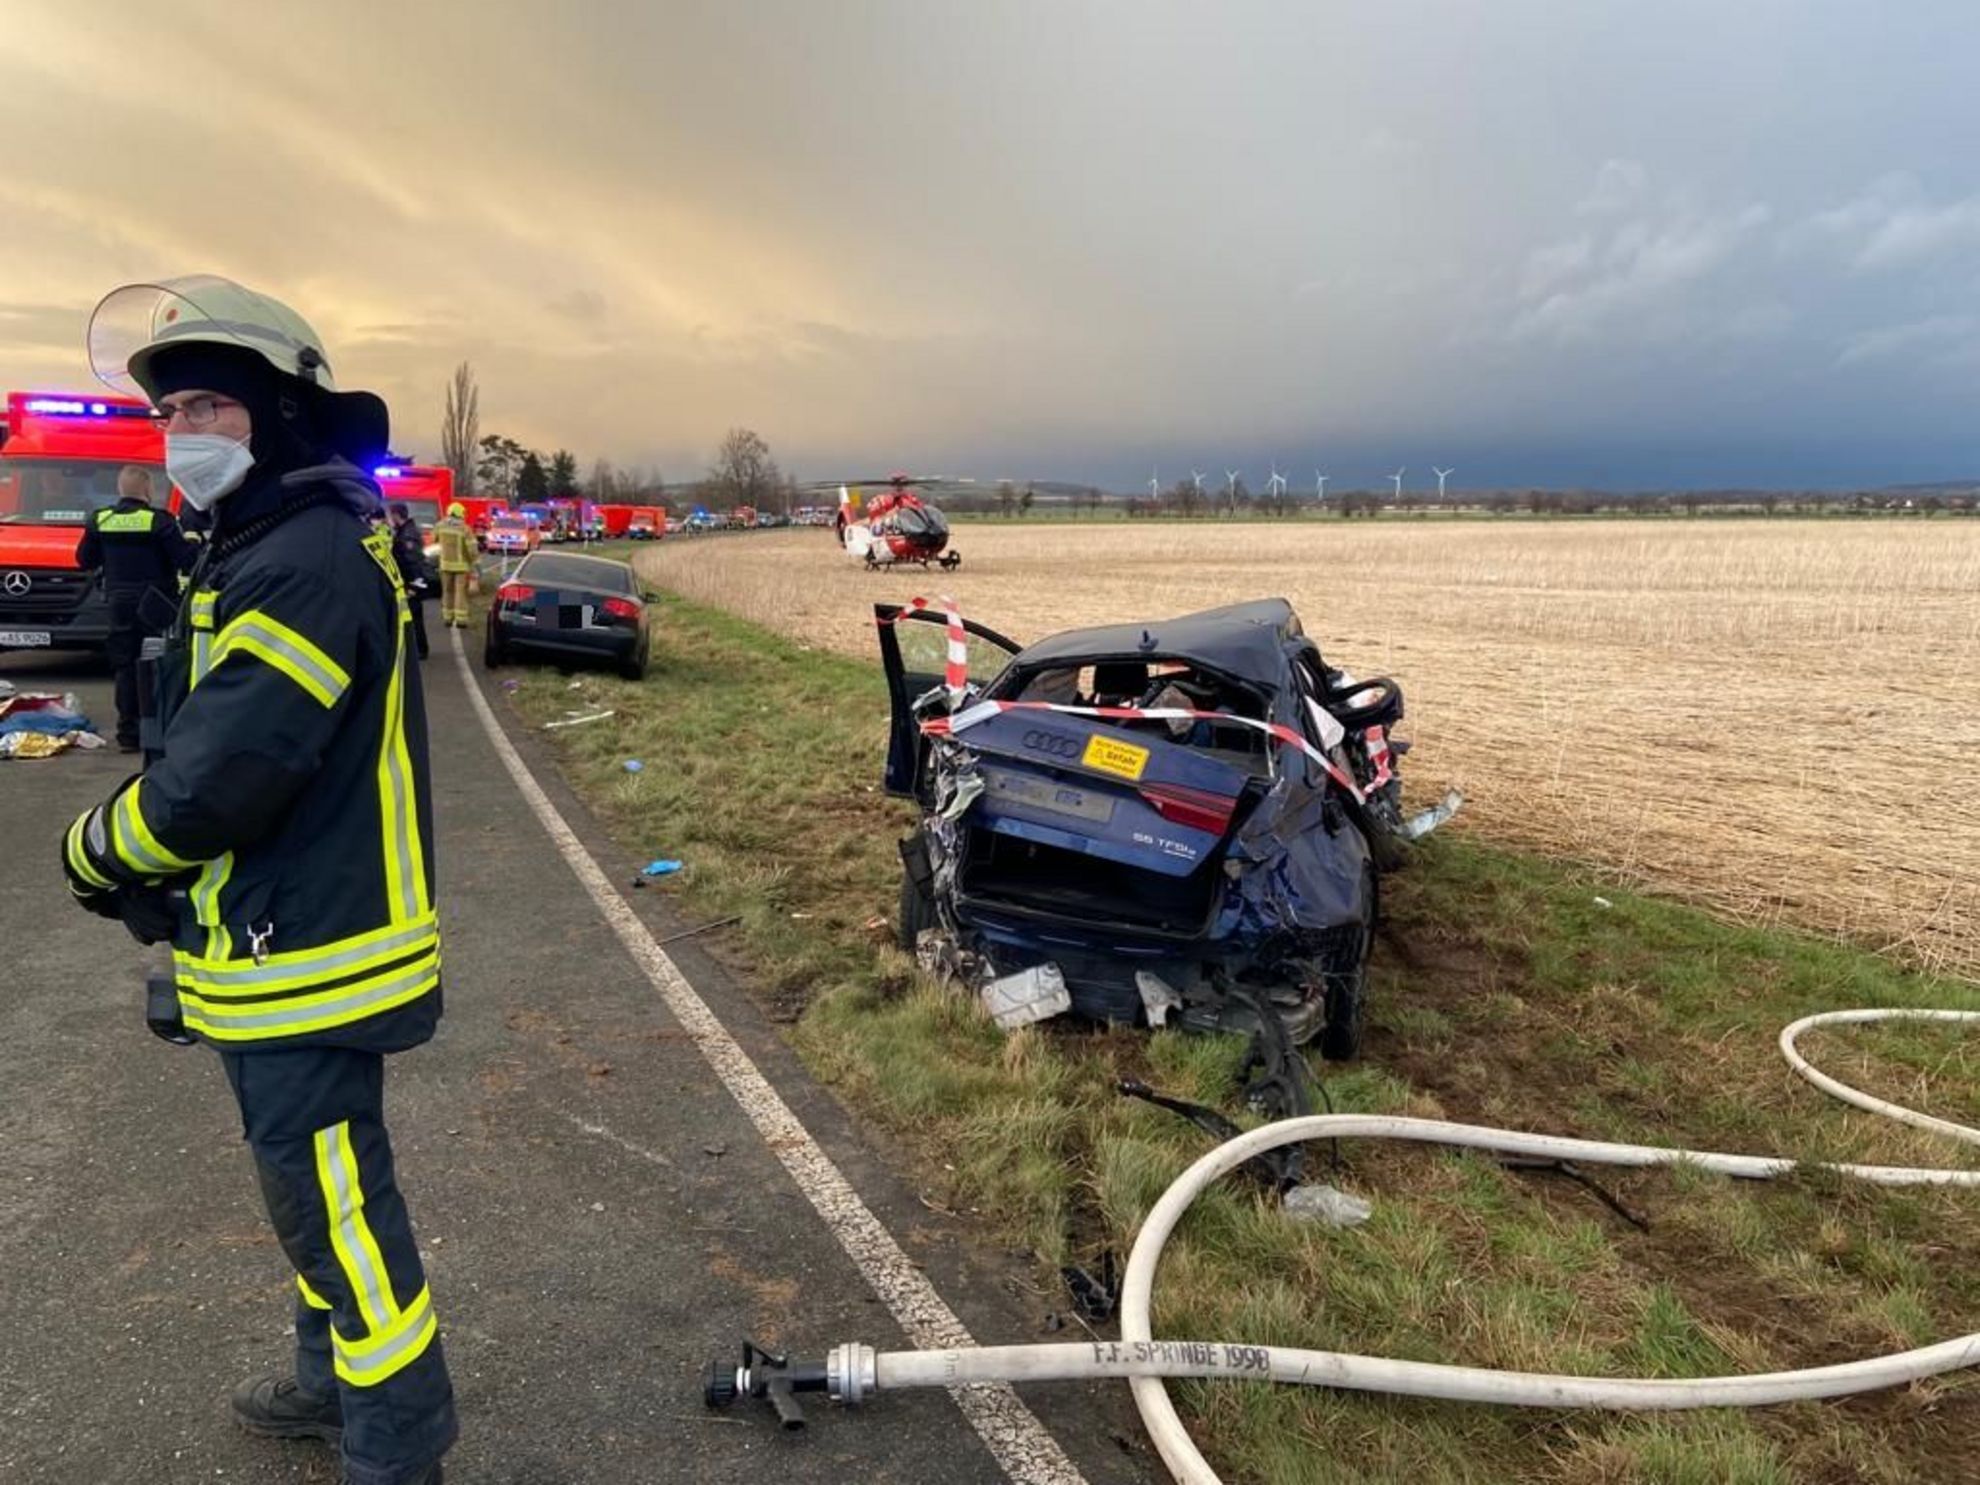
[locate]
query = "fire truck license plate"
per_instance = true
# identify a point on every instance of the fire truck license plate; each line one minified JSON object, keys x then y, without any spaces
{"x":25,"y":639}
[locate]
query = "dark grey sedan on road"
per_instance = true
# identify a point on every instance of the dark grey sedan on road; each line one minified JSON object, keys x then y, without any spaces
{"x":564,"y":608}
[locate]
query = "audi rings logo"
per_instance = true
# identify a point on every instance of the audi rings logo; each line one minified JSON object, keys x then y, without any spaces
{"x":1052,"y":744}
{"x":16,"y":584}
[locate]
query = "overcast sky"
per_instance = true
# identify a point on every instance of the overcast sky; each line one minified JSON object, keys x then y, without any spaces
{"x":1627,"y":244}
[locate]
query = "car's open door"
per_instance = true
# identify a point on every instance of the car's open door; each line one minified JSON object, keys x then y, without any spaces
{"x":914,"y":650}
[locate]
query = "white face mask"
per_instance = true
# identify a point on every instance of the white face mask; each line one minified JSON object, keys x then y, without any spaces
{"x":206,"y":466}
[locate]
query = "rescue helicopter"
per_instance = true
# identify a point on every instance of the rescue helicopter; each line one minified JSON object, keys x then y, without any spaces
{"x":898,"y":527}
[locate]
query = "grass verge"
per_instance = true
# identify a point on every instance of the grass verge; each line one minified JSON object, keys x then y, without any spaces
{"x":1509,"y":990}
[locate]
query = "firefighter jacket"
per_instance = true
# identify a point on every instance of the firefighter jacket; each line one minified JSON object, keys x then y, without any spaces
{"x":137,"y":547}
{"x":456,"y":545}
{"x":291,"y":802}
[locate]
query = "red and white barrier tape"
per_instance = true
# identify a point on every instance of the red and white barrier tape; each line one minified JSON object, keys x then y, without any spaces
{"x":955,"y":673}
{"x":982,"y":711}
{"x":955,"y":681}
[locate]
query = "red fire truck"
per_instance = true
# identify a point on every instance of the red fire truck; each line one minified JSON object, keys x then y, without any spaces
{"x":426,"y":490}
{"x":59,"y":458}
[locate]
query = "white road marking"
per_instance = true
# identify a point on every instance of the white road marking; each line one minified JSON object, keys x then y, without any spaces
{"x":1022,"y":1448}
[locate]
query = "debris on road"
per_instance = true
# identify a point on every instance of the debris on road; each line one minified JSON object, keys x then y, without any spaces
{"x":674,"y":938}
{"x":40,"y":724}
{"x":1095,"y":1298}
{"x":31,"y":745}
{"x":661,"y":868}
{"x":633,"y":765}
{"x":1327,"y":1205}
{"x":1034,"y":994}
{"x":578,"y":721}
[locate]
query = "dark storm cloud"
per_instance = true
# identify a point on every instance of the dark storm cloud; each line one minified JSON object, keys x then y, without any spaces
{"x":1613,"y":242}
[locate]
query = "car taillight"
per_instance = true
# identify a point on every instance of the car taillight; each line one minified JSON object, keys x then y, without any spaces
{"x":514,"y":593}
{"x":1198,"y":809}
{"x":622,"y":608}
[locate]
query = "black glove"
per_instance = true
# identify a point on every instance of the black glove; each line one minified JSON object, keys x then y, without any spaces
{"x":150,"y":913}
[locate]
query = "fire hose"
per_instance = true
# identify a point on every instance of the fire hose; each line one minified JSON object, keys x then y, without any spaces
{"x":851,"y":1373}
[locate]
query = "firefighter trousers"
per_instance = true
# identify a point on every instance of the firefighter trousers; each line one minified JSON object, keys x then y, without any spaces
{"x":365,"y":1329}
{"x":454,"y":598}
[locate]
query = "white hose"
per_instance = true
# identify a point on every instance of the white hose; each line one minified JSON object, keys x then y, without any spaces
{"x":1856,"y":1096}
{"x":1189,"y":1467}
{"x":1144,"y":1361}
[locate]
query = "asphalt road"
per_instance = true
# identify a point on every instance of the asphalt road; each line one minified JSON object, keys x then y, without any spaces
{"x":598,"y":1216}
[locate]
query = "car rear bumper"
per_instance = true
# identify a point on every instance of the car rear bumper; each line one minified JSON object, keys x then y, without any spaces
{"x":578,"y":644}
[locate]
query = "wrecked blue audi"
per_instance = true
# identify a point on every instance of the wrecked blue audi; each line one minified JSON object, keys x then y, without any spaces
{"x":1157,"y":823}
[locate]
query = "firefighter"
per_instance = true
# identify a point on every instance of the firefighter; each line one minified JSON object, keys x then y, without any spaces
{"x":141,"y":550}
{"x":283,"y":842}
{"x":456,"y":562}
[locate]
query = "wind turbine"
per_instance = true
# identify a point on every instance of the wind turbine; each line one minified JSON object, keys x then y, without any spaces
{"x":1397,"y":478}
{"x":1155,"y":484}
{"x":1320,"y":486}
{"x":1276,"y":484}
{"x":1230,"y":489}
{"x":1442,"y":475}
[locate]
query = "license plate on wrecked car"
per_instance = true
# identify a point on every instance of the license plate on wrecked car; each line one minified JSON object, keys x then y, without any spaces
{"x":25,"y":639}
{"x":1048,"y":794}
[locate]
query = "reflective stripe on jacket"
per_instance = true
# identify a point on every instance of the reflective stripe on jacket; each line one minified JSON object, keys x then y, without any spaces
{"x":292,"y":800}
{"x":456,"y":545}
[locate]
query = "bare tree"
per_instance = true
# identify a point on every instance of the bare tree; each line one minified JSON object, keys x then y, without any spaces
{"x":744,"y":473}
{"x":460,"y":427}
{"x":604,"y":486}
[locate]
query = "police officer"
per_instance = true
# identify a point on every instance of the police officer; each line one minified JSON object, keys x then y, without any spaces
{"x":409,"y":552}
{"x":141,"y":550}
{"x":283,"y":841}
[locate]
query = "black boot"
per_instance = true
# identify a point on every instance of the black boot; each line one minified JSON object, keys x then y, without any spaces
{"x":276,"y":1408}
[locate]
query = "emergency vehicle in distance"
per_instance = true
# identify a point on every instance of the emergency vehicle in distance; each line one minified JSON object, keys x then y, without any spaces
{"x":59,"y":458}
{"x":513,"y":532}
{"x":425,"y":489}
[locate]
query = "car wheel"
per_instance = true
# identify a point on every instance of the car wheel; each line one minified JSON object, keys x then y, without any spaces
{"x":634,"y":669}
{"x":492,"y":654}
{"x":1345,"y":972}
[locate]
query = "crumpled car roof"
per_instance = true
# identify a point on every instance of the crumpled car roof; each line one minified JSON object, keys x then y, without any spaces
{"x":1245,"y":640}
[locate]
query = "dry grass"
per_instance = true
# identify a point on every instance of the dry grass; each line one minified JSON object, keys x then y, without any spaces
{"x":1778,"y":718}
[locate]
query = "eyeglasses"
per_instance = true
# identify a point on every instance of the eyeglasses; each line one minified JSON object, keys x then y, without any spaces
{"x":199,"y":412}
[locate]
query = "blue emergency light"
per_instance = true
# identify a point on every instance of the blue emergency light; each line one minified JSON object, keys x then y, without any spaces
{"x":76,"y":407}
{"x":387,"y":472}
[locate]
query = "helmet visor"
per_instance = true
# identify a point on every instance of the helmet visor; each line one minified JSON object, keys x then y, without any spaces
{"x":202,"y":307}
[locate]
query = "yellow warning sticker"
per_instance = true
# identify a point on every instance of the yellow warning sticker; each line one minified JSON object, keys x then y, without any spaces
{"x":1123,"y":760}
